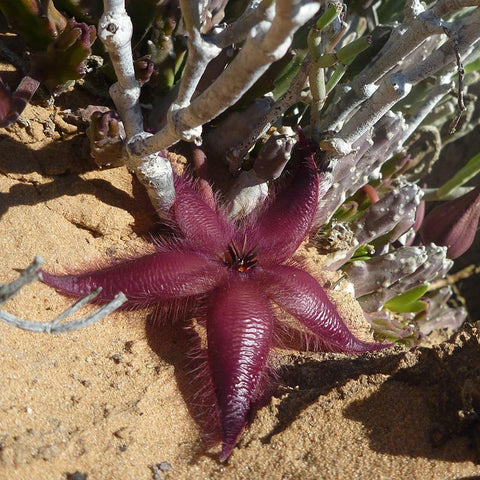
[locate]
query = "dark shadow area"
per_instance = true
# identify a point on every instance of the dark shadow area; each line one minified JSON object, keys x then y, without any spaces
{"x":306,"y":380}
{"x":468,"y":287}
{"x":68,"y":161}
{"x":454,"y":156}
{"x":179,"y":344}
{"x":61,"y":156}
{"x":430,"y":406}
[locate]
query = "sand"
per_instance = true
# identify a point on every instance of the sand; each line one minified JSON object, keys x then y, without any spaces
{"x":114,"y":401}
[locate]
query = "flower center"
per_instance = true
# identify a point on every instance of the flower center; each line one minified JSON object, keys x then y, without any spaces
{"x":239,"y":259}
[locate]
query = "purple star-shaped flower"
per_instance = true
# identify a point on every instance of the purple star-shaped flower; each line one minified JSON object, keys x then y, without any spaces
{"x":237,"y":270}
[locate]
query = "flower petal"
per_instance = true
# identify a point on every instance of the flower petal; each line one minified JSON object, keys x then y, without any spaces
{"x":285,"y":223}
{"x":239,"y":331}
{"x":149,"y":279}
{"x":299,"y":294}
{"x":206,"y":227}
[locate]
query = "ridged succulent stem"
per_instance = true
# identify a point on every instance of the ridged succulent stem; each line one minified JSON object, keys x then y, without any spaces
{"x":419,"y":24}
{"x":268,"y":42}
{"x":397,"y":85}
{"x":437,"y":93}
{"x":238,"y":31}
{"x":289,"y":98}
{"x":154,"y":171}
{"x":200,"y":52}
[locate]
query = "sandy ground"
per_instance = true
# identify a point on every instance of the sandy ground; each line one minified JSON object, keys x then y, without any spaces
{"x":115,"y":400}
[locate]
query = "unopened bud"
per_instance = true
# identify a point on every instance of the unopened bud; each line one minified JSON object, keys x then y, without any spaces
{"x":453,"y":224}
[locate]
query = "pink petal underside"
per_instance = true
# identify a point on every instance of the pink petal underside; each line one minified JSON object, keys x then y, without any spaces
{"x":149,"y":279}
{"x":285,"y":223}
{"x":206,"y":227}
{"x":239,"y":331}
{"x":298,"y":293}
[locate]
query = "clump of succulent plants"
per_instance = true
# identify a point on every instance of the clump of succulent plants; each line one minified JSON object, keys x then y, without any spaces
{"x":58,"y":46}
{"x":349,"y":109}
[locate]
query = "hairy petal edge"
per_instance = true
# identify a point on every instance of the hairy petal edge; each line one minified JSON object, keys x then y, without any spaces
{"x":149,"y":279}
{"x":285,"y":223}
{"x":239,"y":332}
{"x":298,"y":293}
{"x":198,"y":222}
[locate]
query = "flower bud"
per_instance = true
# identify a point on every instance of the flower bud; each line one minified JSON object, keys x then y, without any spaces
{"x":453,"y":224}
{"x":106,"y":134}
{"x":144,"y":68}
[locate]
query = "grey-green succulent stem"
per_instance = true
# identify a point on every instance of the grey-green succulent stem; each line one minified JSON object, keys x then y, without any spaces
{"x":436,"y":94}
{"x":345,"y":59}
{"x":419,"y":24}
{"x":268,"y":42}
{"x":335,"y":77}
{"x":289,"y":98}
{"x":431,"y":194}
{"x":349,"y":52}
{"x":320,"y":59}
{"x":398,"y":85}
{"x":115,"y":30}
{"x":200,"y":52}
{"x":386,"y":276}
{"x":345,"y":55}
{"x":153,"y":171}
{"x":239,"y":30}
{"x":331,"y":13}
{"x":284,"y":81}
